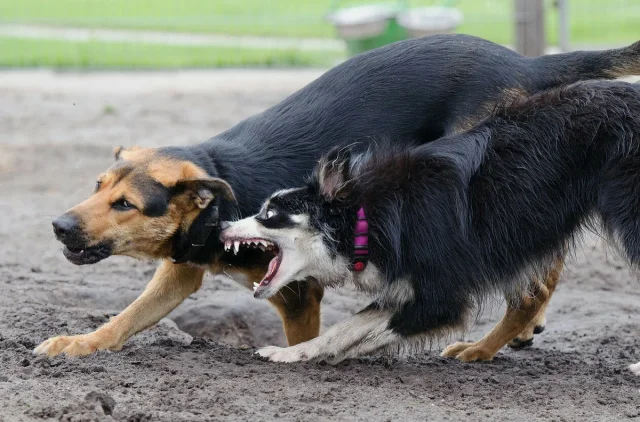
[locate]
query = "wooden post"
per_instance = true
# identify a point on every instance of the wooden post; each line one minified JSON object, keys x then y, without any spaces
{"x":529,"y":19}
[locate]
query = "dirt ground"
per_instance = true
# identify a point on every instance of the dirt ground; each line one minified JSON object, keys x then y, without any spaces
{"x":57,"y":132}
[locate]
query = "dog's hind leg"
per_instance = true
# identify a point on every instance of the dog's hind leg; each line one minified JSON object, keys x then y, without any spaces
{"x":170,"y":286}
{"x":521,"y":313}
{"x":299,"y":307}
{"x":538,"y":323}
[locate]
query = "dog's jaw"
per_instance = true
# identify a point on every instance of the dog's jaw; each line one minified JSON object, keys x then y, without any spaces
{"x":246,"y":233}
{"x":88,"y":255}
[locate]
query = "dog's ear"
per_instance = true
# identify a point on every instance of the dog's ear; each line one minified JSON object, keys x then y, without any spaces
{"x":333,"y":173}
{"x":204,"y":190}
{"x":119,"y":150}
{"x":116,"y":152}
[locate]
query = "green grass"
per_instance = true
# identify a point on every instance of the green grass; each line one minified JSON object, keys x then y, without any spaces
{"x":17,"y":52}
{"x":592,"y":21}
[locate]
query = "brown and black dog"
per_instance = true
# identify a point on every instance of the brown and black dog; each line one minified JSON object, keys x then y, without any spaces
{"x":167,"y":203}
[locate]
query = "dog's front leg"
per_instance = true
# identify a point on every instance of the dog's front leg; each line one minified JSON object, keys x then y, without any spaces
{"x":299,"y":308}
{"x":170,"y":286}
{"x":363,"y":333}
{"x":298,"y":305}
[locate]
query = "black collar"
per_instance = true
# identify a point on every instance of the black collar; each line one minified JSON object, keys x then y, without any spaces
{"x":197,"y":246}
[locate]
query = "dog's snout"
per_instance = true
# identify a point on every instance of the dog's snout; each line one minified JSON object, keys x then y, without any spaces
{"x":64,"y":226}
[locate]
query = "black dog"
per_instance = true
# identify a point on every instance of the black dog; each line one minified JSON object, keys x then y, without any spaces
{"x":444,"y":224}
{"x":160,"y":203}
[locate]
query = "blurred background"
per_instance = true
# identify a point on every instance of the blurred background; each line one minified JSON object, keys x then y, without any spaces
{"x":126,"y":34}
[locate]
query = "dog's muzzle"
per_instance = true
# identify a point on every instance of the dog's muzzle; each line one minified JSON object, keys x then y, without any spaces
{"x":68,"y":231}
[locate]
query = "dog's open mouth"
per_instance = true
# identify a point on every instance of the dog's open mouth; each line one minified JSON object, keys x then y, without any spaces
{"x":234,"y":245}
{"x":87,"y":255}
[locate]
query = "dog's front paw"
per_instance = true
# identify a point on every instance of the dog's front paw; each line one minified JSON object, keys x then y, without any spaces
{"x":76,"y":346}
{"x":635,"y":368}
{"x":468,"y":352}
{"x":298,"y":353}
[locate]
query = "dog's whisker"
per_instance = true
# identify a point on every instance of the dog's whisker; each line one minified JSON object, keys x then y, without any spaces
{"x":73,"y":195}
{"x":283,"y":297}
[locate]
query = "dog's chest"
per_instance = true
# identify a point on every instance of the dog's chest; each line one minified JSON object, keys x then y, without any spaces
{"x":369,"y":281}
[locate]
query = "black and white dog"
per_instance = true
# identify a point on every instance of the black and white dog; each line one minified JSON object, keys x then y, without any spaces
{"x":430,"y":231}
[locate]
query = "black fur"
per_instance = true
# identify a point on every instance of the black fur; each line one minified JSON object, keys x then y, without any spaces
{"x":412,"y":90}
{"x":155,"y":196}
{"x":476,"y":212}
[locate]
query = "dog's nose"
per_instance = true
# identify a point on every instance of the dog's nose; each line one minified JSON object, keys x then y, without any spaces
{"x":65,"y":225}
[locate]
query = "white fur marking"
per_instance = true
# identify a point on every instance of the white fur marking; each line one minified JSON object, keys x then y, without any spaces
{"x":301,"y":219}
{"x":397,"y":293}
{"x":283,"y":192}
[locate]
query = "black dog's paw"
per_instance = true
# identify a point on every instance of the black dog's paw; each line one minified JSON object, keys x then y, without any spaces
{"x":517,"y":344}
{"x":538,"y":329}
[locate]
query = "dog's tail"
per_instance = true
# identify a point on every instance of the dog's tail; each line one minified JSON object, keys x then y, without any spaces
{"x":557,"y":69}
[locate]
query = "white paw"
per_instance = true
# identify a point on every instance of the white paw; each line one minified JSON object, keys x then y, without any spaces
{"x":298,"y":353}
{"x":635,"y":368}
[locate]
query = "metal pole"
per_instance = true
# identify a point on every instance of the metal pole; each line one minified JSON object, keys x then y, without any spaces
{"x":563,"y":25}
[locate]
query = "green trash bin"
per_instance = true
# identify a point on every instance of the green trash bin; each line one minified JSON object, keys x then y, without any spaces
{"x":367,"y":27}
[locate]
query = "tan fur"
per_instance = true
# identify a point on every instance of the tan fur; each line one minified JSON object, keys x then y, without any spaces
{"x":134,"y":234}
{"x":519,"y":316}
{"x":300,"y":313}
{"x":298,"y":306}
{"x":507,"y":95}
{"x":551,"y":281}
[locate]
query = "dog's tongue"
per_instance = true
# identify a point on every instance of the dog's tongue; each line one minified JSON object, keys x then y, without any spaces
{"x":271,"y":272}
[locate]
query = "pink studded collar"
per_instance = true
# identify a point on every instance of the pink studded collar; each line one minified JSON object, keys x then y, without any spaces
{"x":360,"y":242}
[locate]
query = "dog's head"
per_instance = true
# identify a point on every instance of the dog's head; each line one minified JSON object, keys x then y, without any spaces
{"x":139,"y":206}
{"x":308,"y":230}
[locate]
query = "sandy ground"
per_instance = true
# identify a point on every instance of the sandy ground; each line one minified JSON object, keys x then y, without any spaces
{"x":56,"y":134}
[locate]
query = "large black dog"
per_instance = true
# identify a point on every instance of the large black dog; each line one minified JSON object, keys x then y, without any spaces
{"x":431,"y":231}
{"x":165,"y":203}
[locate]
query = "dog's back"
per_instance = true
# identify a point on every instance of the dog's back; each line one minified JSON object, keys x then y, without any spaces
{"x":410,"y":91}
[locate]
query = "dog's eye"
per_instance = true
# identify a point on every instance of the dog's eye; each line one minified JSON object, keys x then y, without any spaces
{"x":122,"y":205}
{"x":270,"y":214}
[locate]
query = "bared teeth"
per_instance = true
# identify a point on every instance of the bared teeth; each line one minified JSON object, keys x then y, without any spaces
{"x":234,"y":245}
{"x":255,"y":286}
